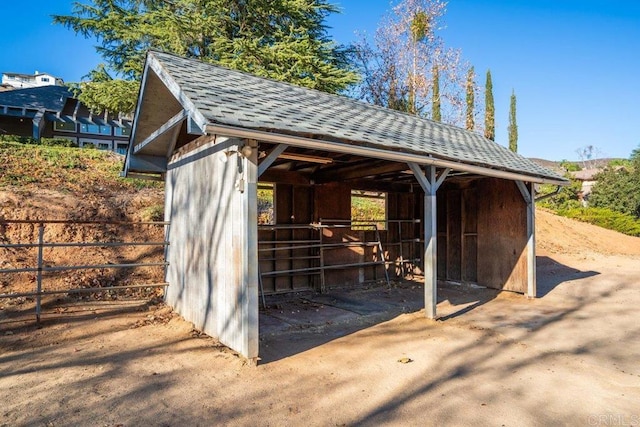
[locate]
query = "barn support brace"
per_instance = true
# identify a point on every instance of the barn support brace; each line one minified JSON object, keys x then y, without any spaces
{"x":430,"y":184}
{"x":528,"y":193}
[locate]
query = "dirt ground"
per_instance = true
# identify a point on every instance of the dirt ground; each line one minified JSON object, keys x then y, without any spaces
{"x":569,"y":357}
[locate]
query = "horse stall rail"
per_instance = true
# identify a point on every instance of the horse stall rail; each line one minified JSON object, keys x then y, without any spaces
{"x":44,"y":269}
{"x":287,"y":252}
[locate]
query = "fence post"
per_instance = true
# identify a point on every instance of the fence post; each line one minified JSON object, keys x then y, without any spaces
{"x":39,"y":276}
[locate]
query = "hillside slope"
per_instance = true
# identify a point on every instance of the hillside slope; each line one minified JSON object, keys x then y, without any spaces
{"x":78,"y":184}
{"x":556,"y":234}
{"x":71,"y":184}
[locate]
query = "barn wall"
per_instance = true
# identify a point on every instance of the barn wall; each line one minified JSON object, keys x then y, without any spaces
{"x":457,"y":226}
{"x":502,"y":235}
{"x":293,"y":206}
{"x":333,"y":202}
{"x":212,"y":256}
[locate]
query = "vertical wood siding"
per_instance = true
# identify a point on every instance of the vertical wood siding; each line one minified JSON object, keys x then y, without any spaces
{"x":213,"y":256}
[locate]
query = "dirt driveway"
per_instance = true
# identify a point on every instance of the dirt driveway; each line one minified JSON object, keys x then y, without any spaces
{"x":570,"y":357}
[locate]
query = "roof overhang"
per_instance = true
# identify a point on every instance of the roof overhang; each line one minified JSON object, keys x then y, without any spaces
{"x":163,"y":109}
{"x":154,"y":143}
{"x":376,"y":153}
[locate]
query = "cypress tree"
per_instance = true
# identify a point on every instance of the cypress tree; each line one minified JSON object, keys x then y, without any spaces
{"x":513,"y":127}
{"x":436,"y":113}
{"x":489,"y":110}
{"x":470,"y":124}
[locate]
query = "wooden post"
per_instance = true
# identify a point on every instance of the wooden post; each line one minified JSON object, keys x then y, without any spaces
{"x":531,"y":245}
{"x":528,"y":196}
{"x":430,"y":185}
{"x":251,"y":273}
{"x":430,"y":247}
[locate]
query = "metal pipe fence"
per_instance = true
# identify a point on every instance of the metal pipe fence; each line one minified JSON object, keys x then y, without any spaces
{"x":41,"y":267}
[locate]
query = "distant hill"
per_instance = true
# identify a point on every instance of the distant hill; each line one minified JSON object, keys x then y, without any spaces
{"x":549,"y":164}
{"x":591,"y":164}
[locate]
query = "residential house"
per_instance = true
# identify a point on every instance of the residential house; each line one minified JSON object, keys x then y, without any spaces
{"x":587,"y":177}
{"x":23,"y":81}
{"x":53,"y":112}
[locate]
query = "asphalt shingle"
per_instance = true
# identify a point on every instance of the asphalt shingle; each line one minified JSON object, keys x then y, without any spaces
{"x":50,"y":98}
{"x":234,"y":98}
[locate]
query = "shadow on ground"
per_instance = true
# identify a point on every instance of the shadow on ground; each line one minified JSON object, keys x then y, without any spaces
{"x":551,"y":273}
{"x":296,"y":323}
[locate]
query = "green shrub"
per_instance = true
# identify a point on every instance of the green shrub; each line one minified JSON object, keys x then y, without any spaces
{"x":606,"y":218}
{"x":566,"y":198}
{"x":48,"y":142}
{"x":57,"y":142}
{"x":152,"y":213}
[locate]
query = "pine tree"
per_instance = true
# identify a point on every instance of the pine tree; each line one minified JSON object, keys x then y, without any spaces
{"x":489,"y":110}
{"x":436,"y":113}
{"x":280,"y":39}
{"x":470,"y":124}
{"x":513,"y":127}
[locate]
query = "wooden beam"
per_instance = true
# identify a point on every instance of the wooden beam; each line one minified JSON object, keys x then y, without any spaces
{"x":280,"y":176}
{"x":173,"y":141}
{"x":524,"y":191}
{"x":271,"y":157}
{"x":195,"y":144}
{"x":357,"y":171}
{"x":170,"y":124}
{"x":150,"y":164}
{"x":441,"y":178}
{"x":377,"y":185}
{"x":420,"y":176}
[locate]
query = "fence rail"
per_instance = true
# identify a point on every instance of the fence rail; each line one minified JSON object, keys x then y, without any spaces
{"x":40,"y":268}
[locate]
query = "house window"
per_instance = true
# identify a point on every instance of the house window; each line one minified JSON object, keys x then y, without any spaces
{"x":121,"y":149}
{"x":266,"y":207}
{"x":118,"y":131}
{"x":64,"y":126}
{"x":44,"y":79}
{"x":96,"y":129}
{"x":368,"y":208}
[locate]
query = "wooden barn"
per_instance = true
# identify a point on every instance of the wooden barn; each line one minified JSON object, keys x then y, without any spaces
{"x":449,"y":204}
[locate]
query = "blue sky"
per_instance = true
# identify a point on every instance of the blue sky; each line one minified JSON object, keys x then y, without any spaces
{"x":572,"y":63}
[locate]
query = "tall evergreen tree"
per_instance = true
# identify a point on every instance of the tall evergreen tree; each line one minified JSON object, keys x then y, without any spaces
{"x":281,"y":39}
{"x":513,"y":127}
{"x":470,"y":123}
{"x":489,"y":110}
{"x":436,"y":112}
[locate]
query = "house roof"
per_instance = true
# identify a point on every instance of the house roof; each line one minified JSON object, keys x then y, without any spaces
{"x":49,"y":98}
{"x":586,"y":174}
{"x":217,"y":96}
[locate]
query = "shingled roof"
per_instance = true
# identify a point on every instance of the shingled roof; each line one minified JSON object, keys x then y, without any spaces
{"x":220,"y":96}
{"x":49,"y":98}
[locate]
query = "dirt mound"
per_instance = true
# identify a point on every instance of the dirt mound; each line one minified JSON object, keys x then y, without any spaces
{"x":556,"y":234}
{"x":128,"y":206}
